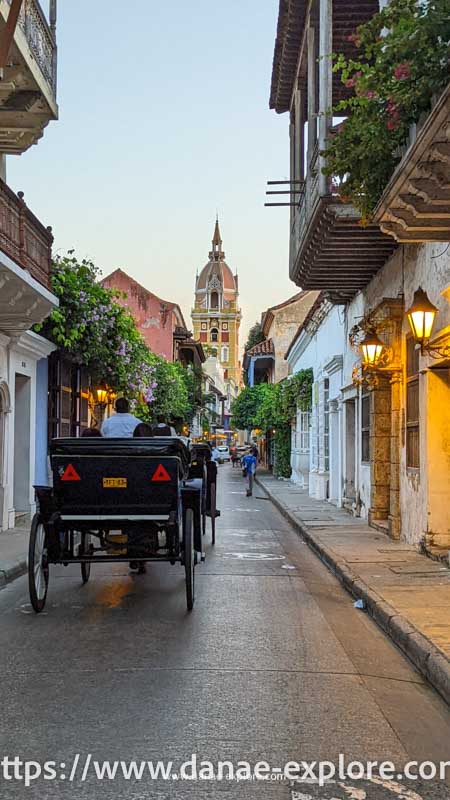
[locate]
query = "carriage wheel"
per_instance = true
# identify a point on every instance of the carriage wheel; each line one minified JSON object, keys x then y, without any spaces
{"x":204,"y":500}
{"x":38,"y":564}
{"x":189,"y":557}
{"x":213,"y":512}
{"x":203,"y":520}
{"x":84,"y":550}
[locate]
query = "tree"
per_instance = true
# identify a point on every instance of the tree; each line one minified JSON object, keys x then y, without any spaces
{"x":94,"y":330}
{"x":255,"y":336}
{"x":244,"y":408}
{"x":272,"y":406}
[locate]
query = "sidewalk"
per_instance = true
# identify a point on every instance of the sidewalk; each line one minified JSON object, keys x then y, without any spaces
{"x":13,"y":554}
{"x":406,"y":593}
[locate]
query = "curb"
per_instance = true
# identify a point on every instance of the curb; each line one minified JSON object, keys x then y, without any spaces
{"x":426,"y":657}
{"x":10,"y":570}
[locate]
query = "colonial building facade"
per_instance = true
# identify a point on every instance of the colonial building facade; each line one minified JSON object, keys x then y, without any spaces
{"x":216,"y":315}
{"x":264,"y":362}
{"x":379,"y":431}
{"x":160,"y":322}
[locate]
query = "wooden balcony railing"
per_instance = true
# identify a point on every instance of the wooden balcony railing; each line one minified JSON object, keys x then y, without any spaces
{"x":23,"y":238}
{"x":40,"y":38}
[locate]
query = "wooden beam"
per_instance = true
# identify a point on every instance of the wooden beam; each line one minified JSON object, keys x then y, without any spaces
{"x":7,"y":34}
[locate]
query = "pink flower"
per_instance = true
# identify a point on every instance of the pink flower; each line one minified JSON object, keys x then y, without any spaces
{"x":403,"y":71}
{"x":351,"y":82}
{"x":370,"y":95}
{"x":354,"y":39}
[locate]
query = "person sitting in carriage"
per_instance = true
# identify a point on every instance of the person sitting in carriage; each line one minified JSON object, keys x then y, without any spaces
{"x":162,"y":427}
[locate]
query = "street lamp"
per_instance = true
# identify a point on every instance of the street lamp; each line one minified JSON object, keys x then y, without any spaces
{"x":421,"y":316}
{"x":102,"y":396}
{"x":371,"y":349}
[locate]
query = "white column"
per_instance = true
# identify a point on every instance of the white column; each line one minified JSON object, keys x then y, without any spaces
{"x":325,"y":83}
{"x":312,"y":122}
{"x":334,"y":452}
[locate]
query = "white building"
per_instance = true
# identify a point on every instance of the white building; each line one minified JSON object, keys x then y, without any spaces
{"x":27,"y":104}
{"x":316,"y":436}
{"x":393,"y":420}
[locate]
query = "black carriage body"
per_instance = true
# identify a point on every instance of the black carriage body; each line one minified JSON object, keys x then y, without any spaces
{"x":113,"y":480}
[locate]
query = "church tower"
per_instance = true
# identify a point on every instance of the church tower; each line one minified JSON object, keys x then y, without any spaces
{"x":216,"y":315}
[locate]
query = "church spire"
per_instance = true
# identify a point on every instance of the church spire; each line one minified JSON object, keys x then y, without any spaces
{"x":217,"y":253}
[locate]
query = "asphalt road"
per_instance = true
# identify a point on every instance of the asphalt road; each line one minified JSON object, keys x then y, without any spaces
{"x":274,"y":664}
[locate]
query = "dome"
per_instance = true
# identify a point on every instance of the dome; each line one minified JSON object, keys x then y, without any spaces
{"x":222,"y":272}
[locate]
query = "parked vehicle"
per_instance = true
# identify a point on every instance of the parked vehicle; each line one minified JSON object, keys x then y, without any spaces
{"x":224,"y":452}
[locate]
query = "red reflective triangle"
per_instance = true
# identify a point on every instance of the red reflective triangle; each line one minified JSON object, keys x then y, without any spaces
{"x":70,"y":474}
{"x":161,"y":474}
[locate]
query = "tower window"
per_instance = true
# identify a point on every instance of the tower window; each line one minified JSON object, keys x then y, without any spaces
{"x":214,"y":335}
{"x":225,"y":354}
{"x":214,"y":300}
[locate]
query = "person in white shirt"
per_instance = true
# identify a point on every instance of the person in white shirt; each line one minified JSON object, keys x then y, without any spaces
{"x":215,"y":456}
{"x":122,"y":423}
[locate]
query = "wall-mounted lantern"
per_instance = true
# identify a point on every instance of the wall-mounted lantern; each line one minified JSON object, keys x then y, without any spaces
{"x":421,"y":316}
{"x":371,"y":349}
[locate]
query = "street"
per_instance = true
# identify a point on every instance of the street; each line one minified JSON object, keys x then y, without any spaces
{"x":273,"y":664}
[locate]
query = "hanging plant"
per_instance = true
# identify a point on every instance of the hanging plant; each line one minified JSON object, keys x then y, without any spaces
{"x":402,"y":63}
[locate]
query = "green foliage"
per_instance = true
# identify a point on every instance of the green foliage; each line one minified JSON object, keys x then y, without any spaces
{"x":404,"y":56}
{"x":245,"y":407}
{"x":172,"y":396}
{"x":255,"y":336}
{"x":97,"y":332}
{"x":272,"y":406}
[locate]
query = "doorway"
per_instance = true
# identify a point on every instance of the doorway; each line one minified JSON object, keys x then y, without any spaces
{"x":22,"y":422}
{"x":349,"y":453}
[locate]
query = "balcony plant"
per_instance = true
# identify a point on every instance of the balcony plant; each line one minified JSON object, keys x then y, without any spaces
{"x":401,"y":63}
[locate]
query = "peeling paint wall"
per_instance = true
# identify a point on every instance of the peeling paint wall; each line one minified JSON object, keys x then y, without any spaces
{"x":155,"y":318}
{"x":284,"y":327}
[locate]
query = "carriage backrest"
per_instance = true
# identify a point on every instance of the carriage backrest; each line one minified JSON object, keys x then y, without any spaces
{"x":118,"y":478}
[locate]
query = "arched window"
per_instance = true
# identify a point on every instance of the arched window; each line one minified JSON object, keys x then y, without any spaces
{"x":225,"y":354}
{"x":214,"y":300}
{"x":214,"y":335}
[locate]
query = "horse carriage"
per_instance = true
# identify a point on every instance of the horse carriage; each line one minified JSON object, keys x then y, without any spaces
{"x":204,"y":470}
{"x":120,"y":500}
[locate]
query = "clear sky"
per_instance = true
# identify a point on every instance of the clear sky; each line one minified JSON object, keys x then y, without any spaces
{"x":164,"y":119}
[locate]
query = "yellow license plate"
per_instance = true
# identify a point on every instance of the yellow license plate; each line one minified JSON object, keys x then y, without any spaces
{"x":116,"y":539}
{"x":115,"y":483}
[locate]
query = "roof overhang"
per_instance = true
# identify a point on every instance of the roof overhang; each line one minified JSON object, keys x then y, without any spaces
{"x":23,"y":301}
{"x":337,"y":254}
{"x":415,"y":206}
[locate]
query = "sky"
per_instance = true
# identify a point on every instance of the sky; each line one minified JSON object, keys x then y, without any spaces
{"x":164,"y":121}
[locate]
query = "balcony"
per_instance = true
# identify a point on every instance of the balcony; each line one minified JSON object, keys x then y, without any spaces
{"x":28,"y":84}
{"x":259,"y":363}
{"x":25,"y":263}
{"x":329,"y":249}
{"x":415,"y":206}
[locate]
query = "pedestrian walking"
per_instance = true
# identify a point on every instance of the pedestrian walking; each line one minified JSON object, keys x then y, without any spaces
{"x":122,"y":423}
{"x":234,"y":455}
{"x":249,"y":464}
